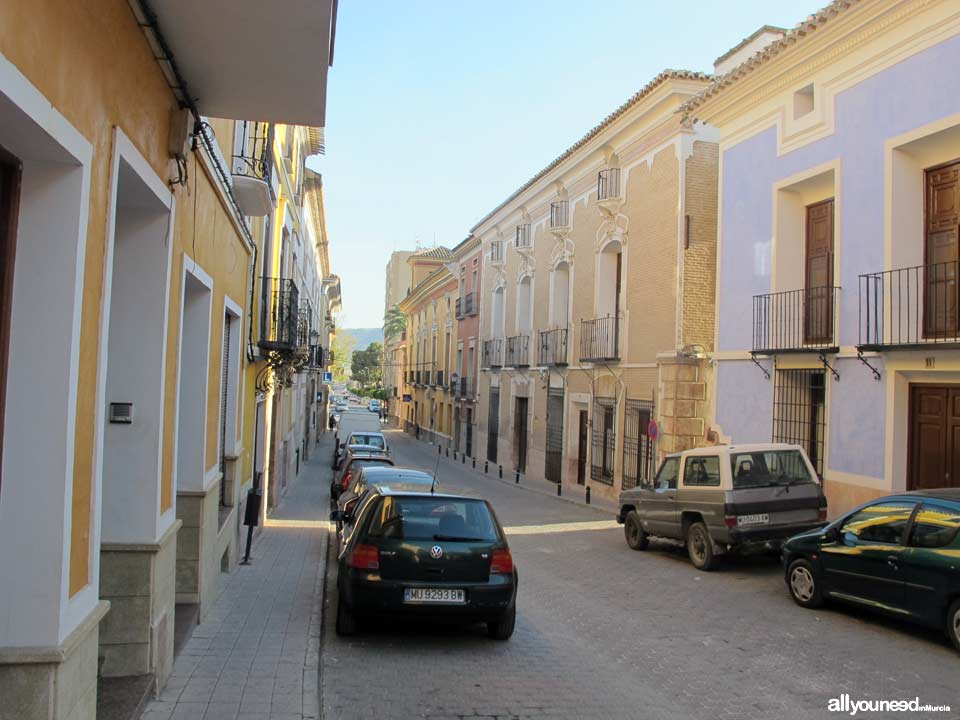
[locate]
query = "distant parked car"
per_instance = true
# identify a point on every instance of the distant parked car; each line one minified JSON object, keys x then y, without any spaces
{"x":728,"y":498}
{"x":375,"y":440}
{"x":381,"y":477}
{"x":361,"y":457}
{"x":428,"y":555}
{"x":374,"y":406}
{"x":898,"y":554}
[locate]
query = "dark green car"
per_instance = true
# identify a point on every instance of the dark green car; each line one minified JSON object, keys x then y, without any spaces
{"x":898,"y":554}
{"x":425,"y":554}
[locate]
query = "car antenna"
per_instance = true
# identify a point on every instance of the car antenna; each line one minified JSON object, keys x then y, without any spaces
{"x":433,"y":482}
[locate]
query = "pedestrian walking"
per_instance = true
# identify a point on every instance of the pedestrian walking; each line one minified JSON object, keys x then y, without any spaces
{"x":333,"y":421}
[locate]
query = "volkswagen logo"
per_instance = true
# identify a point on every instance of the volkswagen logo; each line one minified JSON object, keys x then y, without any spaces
{"x":436,"y":552}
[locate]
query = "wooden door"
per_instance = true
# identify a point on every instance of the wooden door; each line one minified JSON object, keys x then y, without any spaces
{"x":520,"y":433}
{"x":941,"y":221}
{"x":582,"y":449}
{"x":9,"y":210}
{"x":934,"y":441}
{"x":818,"y":274}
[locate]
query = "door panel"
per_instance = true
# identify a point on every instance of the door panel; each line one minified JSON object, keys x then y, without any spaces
{"x":582,"y":449}
{"x":934,"y":441}
{"x":9,"y":211}
{"x":520,"y":437}
{"x":818,"y":309}
{"x":941,"y":251}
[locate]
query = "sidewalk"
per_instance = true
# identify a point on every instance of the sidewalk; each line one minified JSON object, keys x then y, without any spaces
{"x":256,"y":655}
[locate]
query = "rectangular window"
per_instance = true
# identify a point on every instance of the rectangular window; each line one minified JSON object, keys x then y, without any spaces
{"x":799,"y":411}
{"x":702,"y":471}
{"x":604,"y":439}
{"x":639,"y":451}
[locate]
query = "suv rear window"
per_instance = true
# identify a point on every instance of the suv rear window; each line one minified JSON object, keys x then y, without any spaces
{"x":429,"y":518}
{"x":770,"y":468}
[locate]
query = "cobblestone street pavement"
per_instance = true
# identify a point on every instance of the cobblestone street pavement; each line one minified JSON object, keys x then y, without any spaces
{"x":605,"y":632}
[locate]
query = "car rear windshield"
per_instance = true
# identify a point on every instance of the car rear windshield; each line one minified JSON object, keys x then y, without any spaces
{"x":428,"y":518}
{"x":770,"y":468}
{"x":370,"y":440}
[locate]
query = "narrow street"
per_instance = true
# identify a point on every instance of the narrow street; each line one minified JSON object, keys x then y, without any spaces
{"x":604,"y":631}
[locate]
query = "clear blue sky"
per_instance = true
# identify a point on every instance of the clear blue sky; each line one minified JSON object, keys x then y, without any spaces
{"x":437,"y":111}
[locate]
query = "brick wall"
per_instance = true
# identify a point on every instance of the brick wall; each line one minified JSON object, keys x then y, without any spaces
{"x":700,"y":257}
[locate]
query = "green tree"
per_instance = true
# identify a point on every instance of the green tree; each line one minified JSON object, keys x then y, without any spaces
{"x":394,"y":323}
{"x":342,"y":346}
{"x":366,"y":366}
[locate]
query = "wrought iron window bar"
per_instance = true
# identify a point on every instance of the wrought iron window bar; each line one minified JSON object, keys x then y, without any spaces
{"x":279,"y":313}
{"x":604,"y":440}
{"x":256,"y":156}
{"x":639,"y":449}
{"x":492,"y":356}
{"x":608,"y":184}
{"x":559,"y":214}
{"x":523,"y":235}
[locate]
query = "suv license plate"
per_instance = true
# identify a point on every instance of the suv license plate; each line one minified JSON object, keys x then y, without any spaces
{"x":758,"y":519}
{"x":434,"y":595}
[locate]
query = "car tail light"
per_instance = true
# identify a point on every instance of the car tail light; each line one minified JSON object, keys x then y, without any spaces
{"x":364,"y":557}
{"x":501,"y":562}
{"x":347,"y":477}
{"x":730,"y":521}
{"x":822,"y":516}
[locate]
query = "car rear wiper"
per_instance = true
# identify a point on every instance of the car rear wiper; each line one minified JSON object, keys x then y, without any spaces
{"x":457,"y":538}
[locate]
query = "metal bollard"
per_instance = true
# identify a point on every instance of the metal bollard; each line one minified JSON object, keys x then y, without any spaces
{"x":518,"y":477}
{"x":439,"y":450}
{"x":588,"y":495}
{"x":463,"y":459}
{"x":474,"y":463}
{"x":501,"y":471}
{"x":486,"y":466}
{"x":558,"y":489}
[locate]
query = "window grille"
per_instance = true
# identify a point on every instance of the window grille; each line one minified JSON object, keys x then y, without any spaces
{"x":639,"y":449}
{"x":799,"y":411}
{"x":604,"y":439}
{"x":554,"y":439}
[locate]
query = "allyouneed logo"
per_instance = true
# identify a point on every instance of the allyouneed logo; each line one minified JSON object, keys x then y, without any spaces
{"x":845,"y":705}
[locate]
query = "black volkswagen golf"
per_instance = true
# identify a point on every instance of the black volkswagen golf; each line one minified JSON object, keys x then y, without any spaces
{"x":428,"y":555}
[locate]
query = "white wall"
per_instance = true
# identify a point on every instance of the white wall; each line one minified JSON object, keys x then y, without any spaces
{"x":193,"y":368}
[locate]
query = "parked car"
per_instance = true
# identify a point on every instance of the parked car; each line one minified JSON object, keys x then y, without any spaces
{"x":353,"y":461}
{"x":432,"y":555}
{"x":898,"y":554}
{"x":374,"y":406}
{"x":381,"y":477}
{"x":375,"y":440}
{"x":728,"y":498}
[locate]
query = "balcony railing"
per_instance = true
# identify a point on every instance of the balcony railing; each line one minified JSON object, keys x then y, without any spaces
{"x":279,"y":313}
{"x":497,"y":251}
{"x":910,"y":307}
{"x":553,"y":347}
{"x":462,"y":387}
{"x":252,"y":166}
{"x":600,"y":339}
{"x":523,"y":236}
{"x":796,"y":321}
{"x":518,"y":351}
{"x":492,"y":356}
{"x":466,"y":305}
{"x":559,"y":214}
{"x":608,"y":184}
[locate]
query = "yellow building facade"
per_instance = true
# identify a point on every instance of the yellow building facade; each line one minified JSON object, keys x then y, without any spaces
{"x":430,"y":347}
{"x":128,"y":405}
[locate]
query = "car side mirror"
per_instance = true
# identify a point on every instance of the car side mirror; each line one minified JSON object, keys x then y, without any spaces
{"x":832,"y":535}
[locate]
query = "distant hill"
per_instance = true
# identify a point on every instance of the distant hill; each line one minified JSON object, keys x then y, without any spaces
{"x":364,"y":336}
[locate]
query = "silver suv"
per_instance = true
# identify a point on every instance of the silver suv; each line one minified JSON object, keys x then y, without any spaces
{"x":730,"y":498}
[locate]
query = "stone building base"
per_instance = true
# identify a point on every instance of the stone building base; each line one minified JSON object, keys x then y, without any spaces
{"x":53,"y":683}
{"x":138,"y":579}
{"x":197,"y":560}
{"x":682,"y":403}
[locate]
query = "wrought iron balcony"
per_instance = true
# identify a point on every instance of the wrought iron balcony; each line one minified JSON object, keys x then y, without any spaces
{"x":524,"y":239}
{"x":518,"y":351}
{"x":910,"y":307}
{"x":466,"y":305}
{"x":492,"y":356}
{"x":252,"y":168}
{"x":497,"y":254}
{"x":796,"y":321}
{"x":438,"y":379}
{"x":600,"y":339}
{"x":559,"y":215}
{"x":553,"y":347}
{"x":459,"y":308}
{"x":608,"y":184}
{"x":462,"y":388}
{"x":279,"y":313}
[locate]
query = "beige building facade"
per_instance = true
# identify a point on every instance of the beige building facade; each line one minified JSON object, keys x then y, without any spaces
{"x":597,"y":300}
